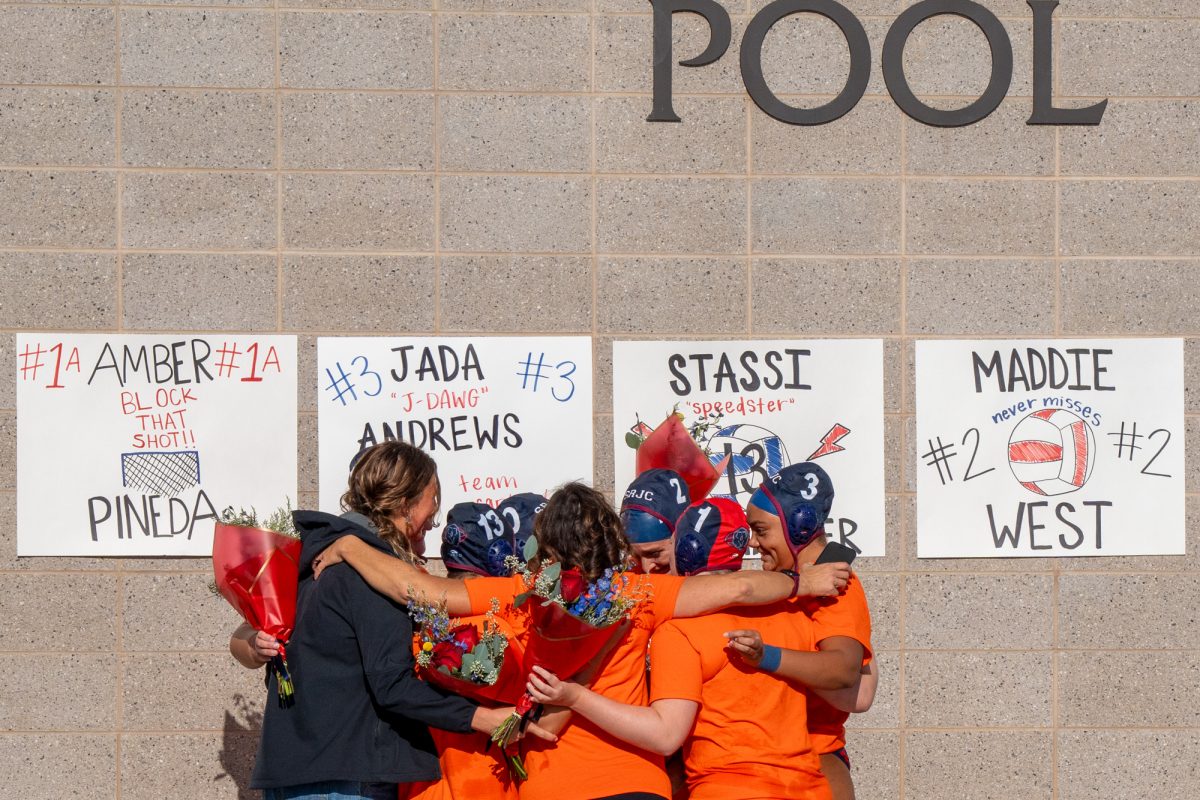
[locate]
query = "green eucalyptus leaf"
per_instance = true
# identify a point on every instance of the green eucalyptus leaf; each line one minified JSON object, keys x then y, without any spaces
{"x":553,"y":572}
{"x":633,"y":441}
{"x":530,"y":549}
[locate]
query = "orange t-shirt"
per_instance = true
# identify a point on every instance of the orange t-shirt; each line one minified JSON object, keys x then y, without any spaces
{"x":749,"y":738}
{"x":845,"y":615}
{"x":470,"y":769}
{"x":586,"y":762}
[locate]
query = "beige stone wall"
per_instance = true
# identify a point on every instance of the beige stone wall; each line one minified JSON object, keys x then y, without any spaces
{"x":324,"y":167}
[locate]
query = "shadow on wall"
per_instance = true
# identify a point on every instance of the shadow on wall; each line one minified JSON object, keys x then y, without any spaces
{"x":238,"y":748}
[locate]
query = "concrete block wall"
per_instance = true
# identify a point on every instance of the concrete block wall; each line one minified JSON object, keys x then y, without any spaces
{"x":483,"y":166}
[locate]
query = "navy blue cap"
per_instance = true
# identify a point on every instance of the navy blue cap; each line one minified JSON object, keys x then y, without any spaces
{"x":518,"y":514}
{"x":476,"y":540}
{"x":655,"y":496}
{"x":801,"y":496}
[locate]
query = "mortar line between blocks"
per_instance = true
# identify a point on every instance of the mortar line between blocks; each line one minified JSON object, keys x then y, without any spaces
{"x":119,"y":581}
{"x":435,"y":31}
{"x":279,"y":243}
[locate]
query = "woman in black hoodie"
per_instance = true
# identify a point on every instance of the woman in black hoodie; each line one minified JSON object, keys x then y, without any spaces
{"x":358,"y":726}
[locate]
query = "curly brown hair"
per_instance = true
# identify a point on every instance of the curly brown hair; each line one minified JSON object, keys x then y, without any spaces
{"x":579,"y":528}
{"x":387,"y":478}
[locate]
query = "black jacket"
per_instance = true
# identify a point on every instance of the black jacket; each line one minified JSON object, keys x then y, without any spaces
{"x":360,"y":712}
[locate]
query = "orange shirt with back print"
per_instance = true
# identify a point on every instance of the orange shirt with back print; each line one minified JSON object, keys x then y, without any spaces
{"x":844,"y":615}
{"x":749,"y":738}
{"x":586,"y":762}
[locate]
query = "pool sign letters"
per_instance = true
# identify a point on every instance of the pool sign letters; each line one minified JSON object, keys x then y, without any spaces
{"x":1000,"y":46}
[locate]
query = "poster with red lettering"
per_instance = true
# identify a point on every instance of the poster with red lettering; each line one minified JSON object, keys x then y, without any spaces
{"x":499,"y":415}
{"x":132,"y":445}
{"x":1050,"y":448}
{"x":755,"y":407}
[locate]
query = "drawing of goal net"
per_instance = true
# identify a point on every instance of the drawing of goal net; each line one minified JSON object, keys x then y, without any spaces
{"x":165,"y":474}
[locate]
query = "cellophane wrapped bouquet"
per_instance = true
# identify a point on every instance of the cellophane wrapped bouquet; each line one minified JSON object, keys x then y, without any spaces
{"x":572,"y":621}
{"x":476,"y":659}
{"x":256,"y":567}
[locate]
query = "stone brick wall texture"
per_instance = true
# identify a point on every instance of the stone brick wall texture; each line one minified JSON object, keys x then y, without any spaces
{"x":450,"y":166}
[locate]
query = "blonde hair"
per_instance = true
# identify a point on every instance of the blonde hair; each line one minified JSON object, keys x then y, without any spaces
{"x":387,"y":478}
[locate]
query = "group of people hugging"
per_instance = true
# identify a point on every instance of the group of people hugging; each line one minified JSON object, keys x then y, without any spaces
{"x":724,"y":683}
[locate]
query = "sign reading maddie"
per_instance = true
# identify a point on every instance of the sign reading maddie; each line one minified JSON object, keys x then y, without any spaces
{"x":757,"y":406}
{"x":1044,"y":110}
{"x":1050,"y":448}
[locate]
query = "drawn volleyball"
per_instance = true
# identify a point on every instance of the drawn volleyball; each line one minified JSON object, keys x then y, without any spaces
{"x":1051,"y":452}
{"x":753,"y":451}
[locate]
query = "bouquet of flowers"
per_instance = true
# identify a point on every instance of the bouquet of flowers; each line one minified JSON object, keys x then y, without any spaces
{"x":673,"y":446}
{"x":256,"y":566}
{"x":572,"y":622}
{"x":474,"y":658}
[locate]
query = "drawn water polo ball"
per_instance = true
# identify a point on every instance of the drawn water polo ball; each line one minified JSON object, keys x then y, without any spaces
{"x":1051,"y":452}
{"x":753,"y":450}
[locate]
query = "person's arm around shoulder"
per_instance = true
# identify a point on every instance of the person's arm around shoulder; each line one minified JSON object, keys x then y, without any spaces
{"x":390,"y":576}
{"x":703,"y":594}
{"x":252,"y":649}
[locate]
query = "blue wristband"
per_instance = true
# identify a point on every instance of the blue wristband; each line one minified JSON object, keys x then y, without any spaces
{"x":770,"y":658}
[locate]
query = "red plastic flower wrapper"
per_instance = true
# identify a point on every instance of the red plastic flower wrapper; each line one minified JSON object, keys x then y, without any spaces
{"x":563,"y":643}
{"x":257,"y":571}
{"x":508,"y":688}
{"x":671,"y":446}
{"x":477,"y":657}
{"x":571,"y":623}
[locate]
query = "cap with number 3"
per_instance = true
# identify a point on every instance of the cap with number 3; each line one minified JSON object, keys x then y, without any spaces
{"x":801,"y":495}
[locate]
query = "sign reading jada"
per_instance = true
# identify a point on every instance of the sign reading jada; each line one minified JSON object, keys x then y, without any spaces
{"x":1044,"y":110}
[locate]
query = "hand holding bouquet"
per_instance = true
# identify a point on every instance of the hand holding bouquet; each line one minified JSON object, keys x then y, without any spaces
{"x":256,"y":567}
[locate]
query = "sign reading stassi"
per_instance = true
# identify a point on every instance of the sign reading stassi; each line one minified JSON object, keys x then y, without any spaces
{"x":765,"y":405}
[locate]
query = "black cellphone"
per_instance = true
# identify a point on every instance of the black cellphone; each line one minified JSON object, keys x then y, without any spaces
{"x":836,"y":551}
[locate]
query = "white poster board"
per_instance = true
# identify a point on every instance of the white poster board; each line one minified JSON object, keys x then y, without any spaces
{"x":131,"y":445}
{"x":782,"y":402}
{"x":1050,"y":448}
{"x":500,"y":415}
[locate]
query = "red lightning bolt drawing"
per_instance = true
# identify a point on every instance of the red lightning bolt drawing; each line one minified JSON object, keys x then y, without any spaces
{"x":829,"y":442}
